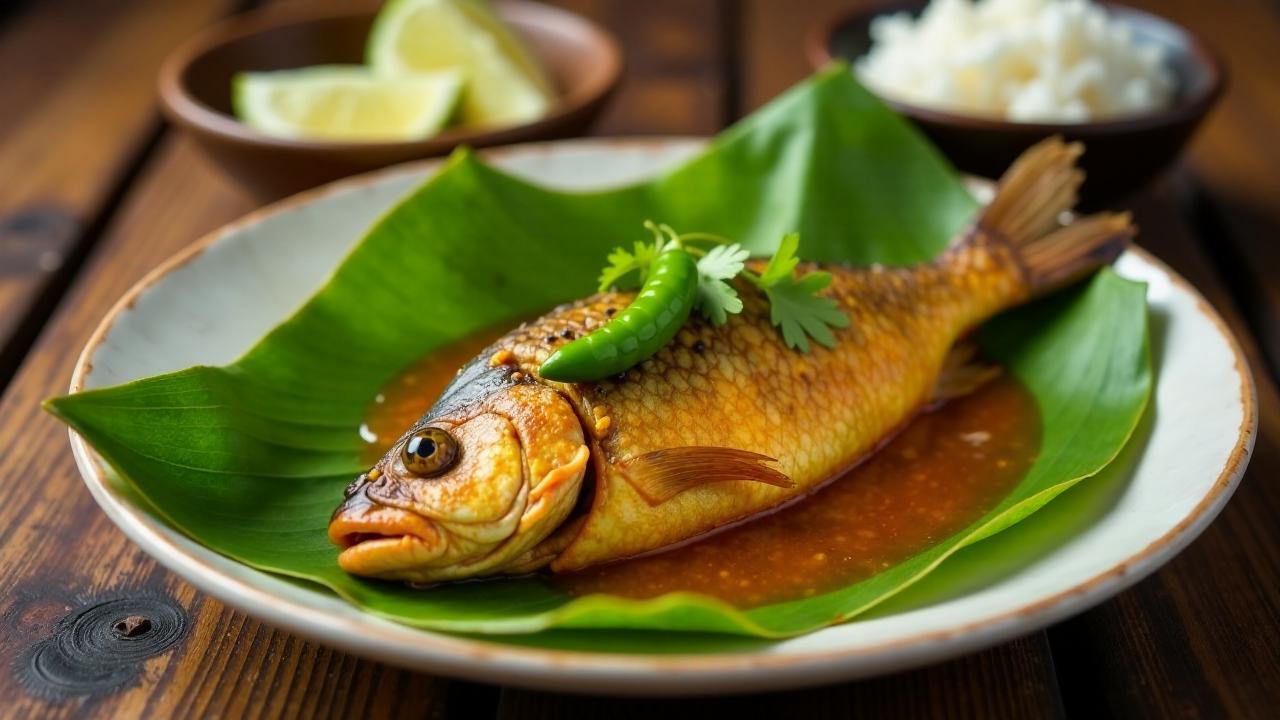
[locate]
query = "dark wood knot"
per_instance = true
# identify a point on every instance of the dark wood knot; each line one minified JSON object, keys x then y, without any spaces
{"x":133,"y":626}
{"x":100,"y":646}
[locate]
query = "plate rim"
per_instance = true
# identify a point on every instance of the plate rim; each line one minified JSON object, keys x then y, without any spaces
{"x":630,"y":673}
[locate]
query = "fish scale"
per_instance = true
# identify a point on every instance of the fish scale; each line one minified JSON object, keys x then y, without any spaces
{"x":722,"y":423}
{"x":740,"y":386}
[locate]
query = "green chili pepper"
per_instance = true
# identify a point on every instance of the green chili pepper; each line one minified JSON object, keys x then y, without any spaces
{"x":635,"y":334}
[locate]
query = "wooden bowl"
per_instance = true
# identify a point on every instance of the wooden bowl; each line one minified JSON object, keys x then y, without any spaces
{"x":583,"y":60}
{"x":1120,"y":156}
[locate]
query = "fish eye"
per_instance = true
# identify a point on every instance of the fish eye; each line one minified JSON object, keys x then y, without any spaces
{"x":429,"y":452}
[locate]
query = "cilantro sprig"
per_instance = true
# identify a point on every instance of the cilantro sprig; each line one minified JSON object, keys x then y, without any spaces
{"x":622,"y":263}
{"x":796,"y":306}
{"x":794,"y":303}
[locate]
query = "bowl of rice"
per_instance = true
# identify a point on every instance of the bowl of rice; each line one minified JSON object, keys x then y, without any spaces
{"x":986,"y":79}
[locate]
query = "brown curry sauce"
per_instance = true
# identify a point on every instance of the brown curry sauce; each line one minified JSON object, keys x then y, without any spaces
{"x":940,"y":474}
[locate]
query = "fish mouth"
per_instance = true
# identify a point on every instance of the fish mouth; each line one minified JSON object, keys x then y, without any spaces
{"x":379,"y":540}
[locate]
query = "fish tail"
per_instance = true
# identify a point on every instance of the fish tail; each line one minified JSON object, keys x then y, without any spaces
{"x":1027,"y":211}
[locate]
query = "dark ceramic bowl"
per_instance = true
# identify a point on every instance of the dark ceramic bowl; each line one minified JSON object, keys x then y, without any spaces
{"x":1120,"y":156}
{"x":583,"y":60}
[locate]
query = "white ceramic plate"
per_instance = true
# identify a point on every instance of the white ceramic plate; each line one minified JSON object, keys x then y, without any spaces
{"x":214,"y":300}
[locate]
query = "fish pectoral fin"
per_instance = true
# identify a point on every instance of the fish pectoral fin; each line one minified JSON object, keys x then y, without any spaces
{"x":663,"y":474}
{"x":962,"y":373}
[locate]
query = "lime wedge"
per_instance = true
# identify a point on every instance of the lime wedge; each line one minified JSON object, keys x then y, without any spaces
{"x":505,"y":83}
{"x":346,"y":102}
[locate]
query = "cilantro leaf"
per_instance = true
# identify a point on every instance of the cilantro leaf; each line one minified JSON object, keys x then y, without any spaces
{"x":716,"y":299}
{"x":723,"y":262}
{"x":796,"y":308}
{"x":784,"y":261}
{"x":622,"y":263}
{"x":794,"y":303}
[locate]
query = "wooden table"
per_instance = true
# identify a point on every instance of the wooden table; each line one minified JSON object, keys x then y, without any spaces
{"x":94,"y":192}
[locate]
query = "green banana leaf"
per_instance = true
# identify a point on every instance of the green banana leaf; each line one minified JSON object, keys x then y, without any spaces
{"x":250,"y":459}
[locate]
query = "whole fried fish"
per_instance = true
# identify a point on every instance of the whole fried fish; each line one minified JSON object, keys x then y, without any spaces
{"x":509,"y":472}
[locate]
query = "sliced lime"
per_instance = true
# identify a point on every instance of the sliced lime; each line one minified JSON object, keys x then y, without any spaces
{"x":346,"y":102}
{"x":505,"y":83}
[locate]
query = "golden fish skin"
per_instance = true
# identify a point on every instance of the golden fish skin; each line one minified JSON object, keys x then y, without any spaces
{"x":740,"y":386}
{"x":737,"y":387}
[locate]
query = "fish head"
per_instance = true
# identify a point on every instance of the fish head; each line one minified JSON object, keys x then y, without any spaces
{"x":469,"y":490}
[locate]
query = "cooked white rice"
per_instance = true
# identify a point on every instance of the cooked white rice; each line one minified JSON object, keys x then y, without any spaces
{"x":1021,"y":60}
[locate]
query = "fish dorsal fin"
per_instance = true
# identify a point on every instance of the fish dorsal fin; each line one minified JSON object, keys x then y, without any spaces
{"x":663,"y":474}
{"x":962,"y":373}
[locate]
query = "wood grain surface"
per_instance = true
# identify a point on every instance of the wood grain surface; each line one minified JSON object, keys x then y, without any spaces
{"x":87,"y":120}
{"x":97,"y":189}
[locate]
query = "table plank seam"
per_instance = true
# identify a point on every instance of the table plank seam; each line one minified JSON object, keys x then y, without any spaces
{"x":80,"y":248}
{"x":729,"y":50}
